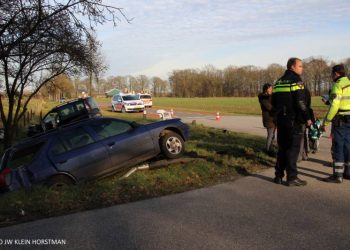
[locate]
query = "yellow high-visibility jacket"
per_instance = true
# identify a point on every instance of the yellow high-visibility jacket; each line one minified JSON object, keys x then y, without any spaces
{"x":340,"y":100}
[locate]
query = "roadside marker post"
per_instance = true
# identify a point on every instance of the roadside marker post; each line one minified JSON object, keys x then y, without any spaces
{"x":217,"y":116}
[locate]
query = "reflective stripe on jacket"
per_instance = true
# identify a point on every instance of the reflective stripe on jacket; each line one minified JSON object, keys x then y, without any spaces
{"x":340,"y":99}
{"x":289,"y":99}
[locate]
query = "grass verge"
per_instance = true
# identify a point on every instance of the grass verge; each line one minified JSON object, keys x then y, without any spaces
{"x":226,"y":157}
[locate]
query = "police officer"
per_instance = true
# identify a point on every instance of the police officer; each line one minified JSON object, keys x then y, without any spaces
{"x":288,"y":100}
{"x":339,"y":115}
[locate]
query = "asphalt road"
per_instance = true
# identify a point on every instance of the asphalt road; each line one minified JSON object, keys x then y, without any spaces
{"x":249,"y":213}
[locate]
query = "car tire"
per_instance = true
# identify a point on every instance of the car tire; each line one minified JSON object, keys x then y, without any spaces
{"x":172,"y":145}
{"x":123,"y":110}
{"x":58,"y":182}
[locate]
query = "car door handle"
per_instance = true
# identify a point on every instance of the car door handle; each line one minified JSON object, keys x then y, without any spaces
{"x":63,"y":161}
{"x":111,"y":144}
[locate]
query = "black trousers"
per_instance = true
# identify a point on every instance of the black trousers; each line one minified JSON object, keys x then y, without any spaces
{"x":289,"y":139}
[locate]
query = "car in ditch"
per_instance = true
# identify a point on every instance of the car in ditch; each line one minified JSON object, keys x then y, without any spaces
{"x":66,"y":113}
{"x":127,"y":103}
{"x":89,"y":149}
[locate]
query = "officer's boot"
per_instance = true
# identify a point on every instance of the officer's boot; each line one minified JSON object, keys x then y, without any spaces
{"x":338,"y":171}
{"x":347,"y":171}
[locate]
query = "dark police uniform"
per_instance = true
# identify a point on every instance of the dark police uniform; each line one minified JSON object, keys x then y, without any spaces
{"x":291,"y":113}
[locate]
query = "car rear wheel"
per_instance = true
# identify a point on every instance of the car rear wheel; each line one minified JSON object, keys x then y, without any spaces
{"x":123,"y":110}
{"x":58,"y":182}
{"x":172,"y":145}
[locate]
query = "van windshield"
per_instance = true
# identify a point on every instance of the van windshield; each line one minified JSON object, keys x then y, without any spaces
{"x":130,"y":97}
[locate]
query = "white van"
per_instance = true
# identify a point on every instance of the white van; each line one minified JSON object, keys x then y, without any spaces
{"x":127,"y":103}
{"x":147,"y":100}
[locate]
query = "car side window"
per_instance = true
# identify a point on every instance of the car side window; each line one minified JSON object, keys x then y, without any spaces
{"x":119,"y":99}
{"x":79,"y":106}
{"x":24,"y":156}
{"x":51,"y":120}
{"x":108,"y":128}
{"x":76,"y":138}
{"x":57,"y":148}
{"x":67,"y":111}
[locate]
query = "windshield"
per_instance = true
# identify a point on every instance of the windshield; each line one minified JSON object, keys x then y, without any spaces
{"x":145,"y":97}
{"x":130,"y":97}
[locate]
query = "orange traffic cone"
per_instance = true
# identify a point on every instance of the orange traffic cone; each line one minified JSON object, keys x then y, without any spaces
{"x":217,"y":116}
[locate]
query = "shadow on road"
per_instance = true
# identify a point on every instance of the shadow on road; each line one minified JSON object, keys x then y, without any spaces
{"x":313,"y":170}
{"x":322,"y":162}
{"x":263,"y":177}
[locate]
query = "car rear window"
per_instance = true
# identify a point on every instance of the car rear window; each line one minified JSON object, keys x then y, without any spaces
{"x":24,"y":156}
{"x":145,"y":97}
{"x":92,"y":105}
{"x":108,"y":128}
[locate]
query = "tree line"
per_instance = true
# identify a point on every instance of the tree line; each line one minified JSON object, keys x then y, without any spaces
{"x":206,"y":82}
{"x":247,"y":80}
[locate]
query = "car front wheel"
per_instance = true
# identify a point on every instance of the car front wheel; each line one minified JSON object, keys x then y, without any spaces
{"x":172,"y":145}
{"x":123,"y":110}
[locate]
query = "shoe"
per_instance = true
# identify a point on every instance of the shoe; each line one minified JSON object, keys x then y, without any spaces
{"x":277,"y":180}
{"x":296,"y":182}
{"x":333,"y":179}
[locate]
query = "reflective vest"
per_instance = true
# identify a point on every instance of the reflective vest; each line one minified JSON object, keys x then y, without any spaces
{"x":340,"y":100}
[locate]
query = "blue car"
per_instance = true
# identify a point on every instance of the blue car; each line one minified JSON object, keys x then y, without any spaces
{"x":89,"y":149}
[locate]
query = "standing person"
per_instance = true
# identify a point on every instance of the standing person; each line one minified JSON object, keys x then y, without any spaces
{"x":339,"y":114}
{"x":288,"y":100}
{"x":265,"y":100}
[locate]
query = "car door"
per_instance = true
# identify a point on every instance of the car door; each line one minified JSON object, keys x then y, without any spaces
{"x":78,"y":153}
{"x":126,"y":144}
{"x":119,"y":103}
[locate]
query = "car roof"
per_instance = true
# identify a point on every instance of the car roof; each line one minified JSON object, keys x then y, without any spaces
{"x":46,"y":135}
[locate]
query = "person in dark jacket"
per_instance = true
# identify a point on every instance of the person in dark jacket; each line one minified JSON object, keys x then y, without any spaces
{"x":265,"y":99}
{"x":291,"y":112}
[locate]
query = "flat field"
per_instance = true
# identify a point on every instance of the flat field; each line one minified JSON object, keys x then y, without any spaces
{"x":224,"y":105}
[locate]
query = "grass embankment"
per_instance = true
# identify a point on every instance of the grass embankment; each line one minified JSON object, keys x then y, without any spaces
{"x":224,"y":105}
{"x":221,"y":157}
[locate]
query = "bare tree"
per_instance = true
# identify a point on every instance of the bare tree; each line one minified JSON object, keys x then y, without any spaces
{"x":39,"y":40}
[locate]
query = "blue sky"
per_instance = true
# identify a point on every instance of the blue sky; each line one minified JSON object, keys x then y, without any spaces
{"x":168,"y":34}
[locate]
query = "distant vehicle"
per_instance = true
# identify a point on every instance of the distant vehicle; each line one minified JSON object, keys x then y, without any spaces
{"x":88,"y":149}
{"x":66,"y":113}
{"x":127,"y":103}
{"x":147,"y":100}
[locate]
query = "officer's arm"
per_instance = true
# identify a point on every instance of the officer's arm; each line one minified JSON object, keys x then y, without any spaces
{"x":301,"y":101}
{"x":335,"y":97}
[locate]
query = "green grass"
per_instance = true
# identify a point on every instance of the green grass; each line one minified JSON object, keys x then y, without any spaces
{"x":224,"y":105}
{"x":219,"y":157}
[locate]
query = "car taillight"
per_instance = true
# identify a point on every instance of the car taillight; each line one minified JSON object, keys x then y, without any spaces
{"x":5,"y":177}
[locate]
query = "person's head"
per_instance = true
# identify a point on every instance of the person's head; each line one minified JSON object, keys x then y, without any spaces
{"x":296,"y":65}
{"x":338,"y":71}
{"x":267,"y":88}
